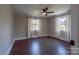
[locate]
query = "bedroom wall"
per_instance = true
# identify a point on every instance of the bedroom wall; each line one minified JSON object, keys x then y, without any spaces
{"x":45,"y":25}
{"x":21,"y":26}
{"x":51,"y":25}
{"x":75,"y":24}
{"x":6,"y":28}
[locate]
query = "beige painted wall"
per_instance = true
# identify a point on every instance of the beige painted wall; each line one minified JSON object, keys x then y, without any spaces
{"x":45,"y":26}
{"x":21,"y":26}
{"x":52,"y":25}
{"x":75,"y":24}
{"x":6,"y":24}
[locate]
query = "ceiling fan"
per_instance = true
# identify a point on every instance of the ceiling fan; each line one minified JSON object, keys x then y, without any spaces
{"x":45,"y":12}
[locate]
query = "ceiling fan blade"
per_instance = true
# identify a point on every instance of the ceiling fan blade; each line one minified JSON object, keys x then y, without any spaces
{"x":46,"y":9}
{"x":46,"y":14}
{"x":50,"y":12}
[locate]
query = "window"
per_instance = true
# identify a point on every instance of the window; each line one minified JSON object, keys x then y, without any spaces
{"x":35,"y":24}
{"x":61,"y":24}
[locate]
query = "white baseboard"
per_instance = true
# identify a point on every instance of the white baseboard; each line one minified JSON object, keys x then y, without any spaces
{"x":22,"y":38}
{"x":41,"y":36}
{"x":10,"y":47}
{"x":59,"y":37}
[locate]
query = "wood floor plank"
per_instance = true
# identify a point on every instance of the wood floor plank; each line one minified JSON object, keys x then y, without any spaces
{"x":41,"y":46}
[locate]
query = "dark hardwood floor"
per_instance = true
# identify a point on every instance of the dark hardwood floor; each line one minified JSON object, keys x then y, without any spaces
{"x":41,"y":46}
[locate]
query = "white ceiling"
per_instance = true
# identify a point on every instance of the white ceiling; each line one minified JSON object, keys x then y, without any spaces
{"x":36,"y":9}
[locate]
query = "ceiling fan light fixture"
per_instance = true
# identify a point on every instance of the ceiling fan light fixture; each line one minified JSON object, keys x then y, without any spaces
{"x":44,"y":13}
